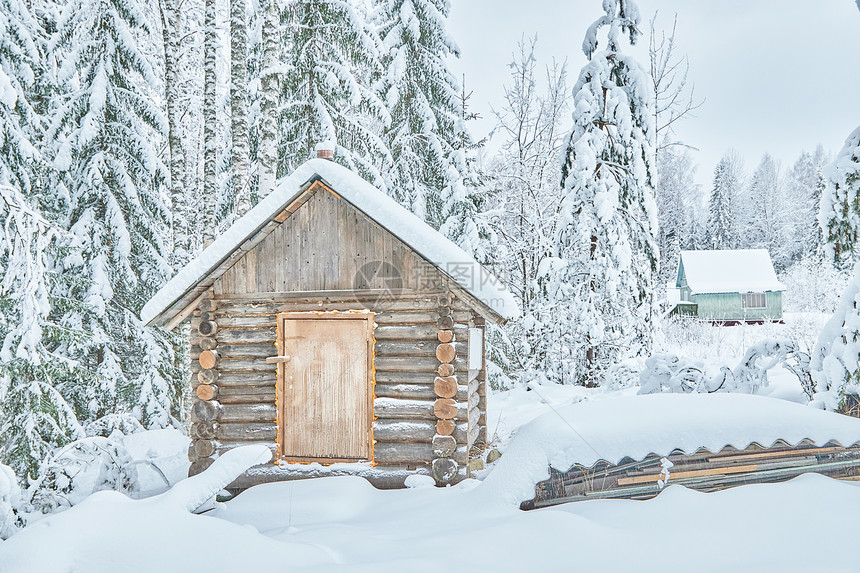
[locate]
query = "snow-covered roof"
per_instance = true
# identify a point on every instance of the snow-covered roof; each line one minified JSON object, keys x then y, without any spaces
{"x":385,"y":211}
{"x":636,"y":426}
{"x":745,"y":270}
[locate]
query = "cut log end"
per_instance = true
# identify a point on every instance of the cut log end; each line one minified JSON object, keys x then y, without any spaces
{"x":444,"y":446}
{"x":206,"y":411}
{"x":204,"y":448}
{"x":445,"y":370}
{"x":444,"y":470}
{"x":445,"y":409}
{"x":205,"y":430}
{"x":209,"y":359}
{"x":199,"y":466}
{"x":445,"y":387}
{"x":207,"y":376}
{"x":207,"y":328}
{"x":445,"y":427}
{"x":445,"y":336}
{"x":446,"y":352}
{"x":207,"y":392}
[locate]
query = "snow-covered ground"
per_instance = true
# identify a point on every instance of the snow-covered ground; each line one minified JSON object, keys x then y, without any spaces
{"x":714,"y":346}
{"x":344,"y":524}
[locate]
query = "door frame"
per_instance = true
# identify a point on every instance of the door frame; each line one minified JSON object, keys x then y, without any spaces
{"x":280,"y":392}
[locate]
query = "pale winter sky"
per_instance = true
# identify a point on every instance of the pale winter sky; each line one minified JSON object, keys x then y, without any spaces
{"x":778,"y":75}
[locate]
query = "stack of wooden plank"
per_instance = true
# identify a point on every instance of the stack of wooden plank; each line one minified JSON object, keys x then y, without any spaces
{"x":703,"y":471}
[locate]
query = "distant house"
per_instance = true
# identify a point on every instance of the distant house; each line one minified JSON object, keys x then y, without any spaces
{"x":729,"y":286}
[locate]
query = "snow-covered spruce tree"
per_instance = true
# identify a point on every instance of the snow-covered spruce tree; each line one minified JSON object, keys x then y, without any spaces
{"x":606,"y":250}
{"x":421,"y":94}
{"x":465,"y":193}
{"x":805,"y":183}
{"x":678,"y":209}
{"x":722,"y":229}
{"x":20,"y":58}
{"x":327,"y":97}
{"x":34,"y":416}
{"x":763,"y":212}
{"x":835,"y":363}
{"x":108,"y":130}
{"x":839,"y":210}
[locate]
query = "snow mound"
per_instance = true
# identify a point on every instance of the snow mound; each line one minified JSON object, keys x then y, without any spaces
{"x":302,"y":503}
{"x":110,"y":533}
{"x":195,"y":491}
{"x":636,"y":426}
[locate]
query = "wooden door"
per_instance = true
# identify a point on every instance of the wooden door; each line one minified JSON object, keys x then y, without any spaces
{"x":325,"y":392}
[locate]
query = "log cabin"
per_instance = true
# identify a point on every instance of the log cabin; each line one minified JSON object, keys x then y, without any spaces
{"x":338,"y":328}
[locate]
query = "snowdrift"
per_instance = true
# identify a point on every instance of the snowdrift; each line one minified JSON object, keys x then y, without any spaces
{"x":637,"y":426}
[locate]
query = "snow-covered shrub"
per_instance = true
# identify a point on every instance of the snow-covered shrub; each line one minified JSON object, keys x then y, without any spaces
{"x":80,"y":469}
{"x":669,"y":373}
{"x":106,"y":425}
{"x":814,"y":285}
{"x":10,"y":500}
{"x":751,"y":374}
{"x":835,"y":364}
{"x":623,"y":375}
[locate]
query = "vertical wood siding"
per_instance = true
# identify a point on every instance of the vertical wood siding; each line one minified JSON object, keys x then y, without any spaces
{"x":325,"y":245}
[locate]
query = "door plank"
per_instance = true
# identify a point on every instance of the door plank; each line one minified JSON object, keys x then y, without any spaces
{"x":326,"y":395}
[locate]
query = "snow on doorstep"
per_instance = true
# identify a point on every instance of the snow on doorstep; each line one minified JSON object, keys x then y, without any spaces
{"x":635,"y":426}
{"x":426,"y":241}
{"x":749,"y":270}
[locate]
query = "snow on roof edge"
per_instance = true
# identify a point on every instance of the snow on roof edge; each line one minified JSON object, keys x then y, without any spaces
{"x":419,"y":236}
{"x":729,"y":271}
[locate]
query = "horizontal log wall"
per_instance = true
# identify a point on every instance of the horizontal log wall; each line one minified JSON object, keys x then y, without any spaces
{"x":406,"y":367}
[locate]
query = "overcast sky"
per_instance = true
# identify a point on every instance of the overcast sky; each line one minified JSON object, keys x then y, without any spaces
{"x":778,"y":76}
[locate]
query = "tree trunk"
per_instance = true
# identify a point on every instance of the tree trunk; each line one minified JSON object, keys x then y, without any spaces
{"x":270,"y":88}
{"x":591,"y":352}
{"x":210,"y":125}
{"x":170,"y":38}
{"x":239,"y":106}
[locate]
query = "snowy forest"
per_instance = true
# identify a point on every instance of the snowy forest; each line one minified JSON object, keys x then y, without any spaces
{"x":133,"y":133}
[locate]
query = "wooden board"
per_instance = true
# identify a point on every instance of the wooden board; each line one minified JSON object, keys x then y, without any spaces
{"x":701,"y":470}
{"x":325,"y":391}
